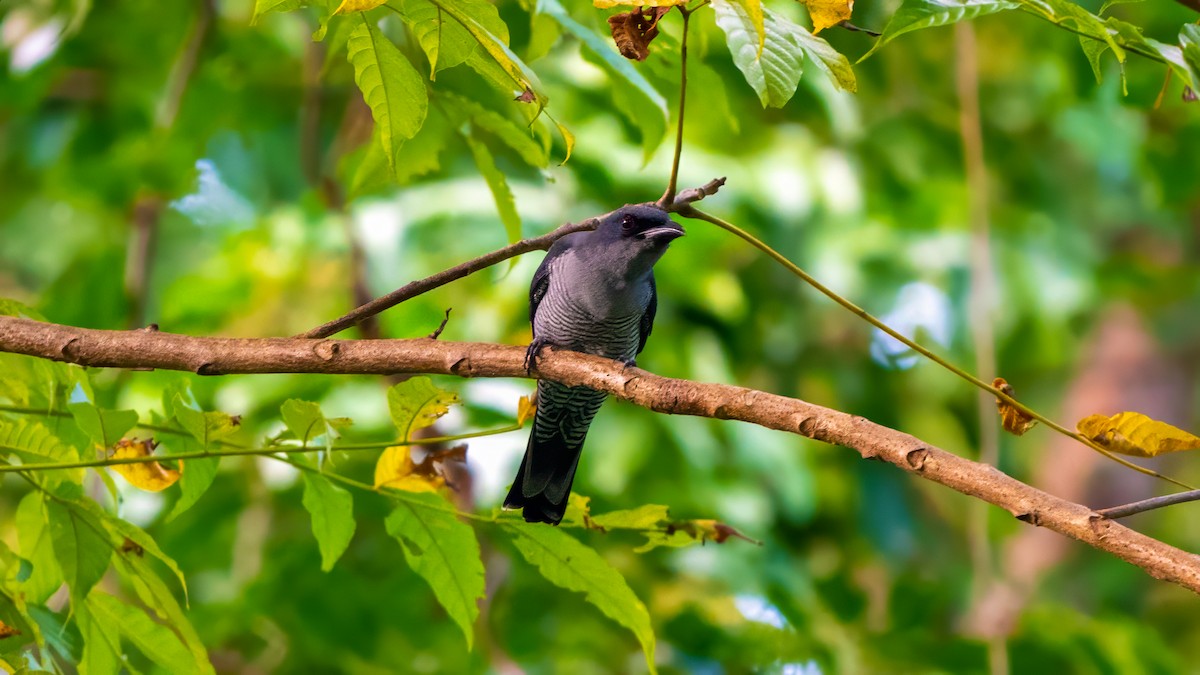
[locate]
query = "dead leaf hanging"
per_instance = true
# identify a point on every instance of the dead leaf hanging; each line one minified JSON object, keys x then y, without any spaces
{"x":1014,"y":420}
{"x":634,"y":30}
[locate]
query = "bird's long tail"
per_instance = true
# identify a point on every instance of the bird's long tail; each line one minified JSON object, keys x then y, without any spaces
{"x":559,"y":427}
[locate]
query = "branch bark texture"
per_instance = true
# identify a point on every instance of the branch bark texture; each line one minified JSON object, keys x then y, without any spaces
{"x":220,"y":356}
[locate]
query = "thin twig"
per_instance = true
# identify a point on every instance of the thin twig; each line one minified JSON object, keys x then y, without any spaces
{"x":241,"y":452}
{"x":692,"y":212}
{"x":668,"y":197}
{"x":1149,"y":504}
{"x":442,"y":326}
{"x":412,"y":290}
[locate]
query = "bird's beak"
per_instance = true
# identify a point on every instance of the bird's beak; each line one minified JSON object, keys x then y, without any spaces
{"x":664,"y":233}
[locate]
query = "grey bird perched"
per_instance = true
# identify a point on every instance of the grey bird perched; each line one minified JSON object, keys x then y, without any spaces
{"x":593,"y":293}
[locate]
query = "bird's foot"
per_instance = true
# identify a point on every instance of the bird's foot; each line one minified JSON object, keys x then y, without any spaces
{"x":629,"y":363}
{"x":531,"y":354}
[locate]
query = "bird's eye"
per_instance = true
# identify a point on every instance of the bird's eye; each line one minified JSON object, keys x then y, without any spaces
{"x":628,"y":225}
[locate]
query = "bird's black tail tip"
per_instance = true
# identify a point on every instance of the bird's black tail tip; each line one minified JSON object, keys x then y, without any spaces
{"x":536,"y":509}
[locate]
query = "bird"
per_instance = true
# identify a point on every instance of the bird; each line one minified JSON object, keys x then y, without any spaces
{"x":593,"y":293}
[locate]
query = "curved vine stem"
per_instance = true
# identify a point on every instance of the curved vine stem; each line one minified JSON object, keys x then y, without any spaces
{"x":668,"y":197}
{"x":692,"y":212}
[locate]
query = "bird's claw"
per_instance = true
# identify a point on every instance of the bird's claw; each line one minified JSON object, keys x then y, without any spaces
{"x":531,"y":354}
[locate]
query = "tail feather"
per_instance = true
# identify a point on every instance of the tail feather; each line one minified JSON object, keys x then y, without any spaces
{"x":547,"y":471}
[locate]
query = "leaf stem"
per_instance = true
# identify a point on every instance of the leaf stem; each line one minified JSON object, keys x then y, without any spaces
{"x":239,"y":452}
{"x":692,"y":212}
{"x":668,"y":197}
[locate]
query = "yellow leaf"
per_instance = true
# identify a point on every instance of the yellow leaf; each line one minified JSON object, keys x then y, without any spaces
{"x":526,"y":407}
{"x":349,"y":6}
{"x":1015,"y":421}
{"x":826,"y":13}
{"x":1132,"y":433}
{"x":149,"y":476}
{"x":396,"y":469}
{"x":609,"y":4}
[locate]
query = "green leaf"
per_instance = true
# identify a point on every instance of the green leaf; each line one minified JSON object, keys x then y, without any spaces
{"x":444,"y":552}
{"x":34,"y":444}
{"x":643,"y":517}
{"x":635,"y":97}
{"x":104,"y":427}
{"x":918,"y":14}
{"x":1070,"y":15}
{"x":1093,"y":50}
{"x":306,"y":422}
{"x":829,"y":60}
{"x":1177,"y":61}
{"x":155,"y":594}
{"x":446,"y":42}
{"x":754,"y":10}
{"x":1189,"y":43}
{"x":81,"y":547}
{"x":152,"y":639}
{"x":33,"y":533}
{"x":495,"y":47}
{"x":773,"y":75}
{"x":101,"y":641}
{"x":121,"y":530}
{"x":207,"y":430}
{"x":519,"y":137}
{"x":568,"y":564}
{"x":332,"y":510}
{"x":391,"y":87}
{"x":416,"y":403}
{"x":266,"y":6}
{"x":498,"y":185}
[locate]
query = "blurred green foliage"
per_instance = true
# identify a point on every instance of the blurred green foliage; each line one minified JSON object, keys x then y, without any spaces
{"x":240,"y":156}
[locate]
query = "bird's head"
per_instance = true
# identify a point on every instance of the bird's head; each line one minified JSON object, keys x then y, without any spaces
{"x":638,"y":234}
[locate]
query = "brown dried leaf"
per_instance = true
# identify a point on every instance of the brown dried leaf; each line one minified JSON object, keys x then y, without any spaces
{"x":634,"y":30}
{"x":1132,"y":433}
{"x":7,"y":631}
{"x":395,"y":469}
{"x":826,"y":13}
{"x":149,"y":476}
{"x":1015,"y":421}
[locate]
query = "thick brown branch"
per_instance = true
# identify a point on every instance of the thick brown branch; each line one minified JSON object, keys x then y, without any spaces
{"x":216,"y":356}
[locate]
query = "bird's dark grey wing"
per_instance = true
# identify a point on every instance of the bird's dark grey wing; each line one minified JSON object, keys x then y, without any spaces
{"x":539,"y":286}
{"x":647,"y":323}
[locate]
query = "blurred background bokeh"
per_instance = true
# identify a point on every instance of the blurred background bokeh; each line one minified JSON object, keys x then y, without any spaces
{"x":172,"y":163}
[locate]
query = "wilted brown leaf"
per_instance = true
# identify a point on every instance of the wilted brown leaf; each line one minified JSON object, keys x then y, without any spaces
{"x":634,"y":30}
{"x":1015,"y":421}
{"x":826,"y":13}
{"x":1132,"y":433}
{"x":7,"y":631}
{"x":149,"y":476}
{"x":396,"y":468}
